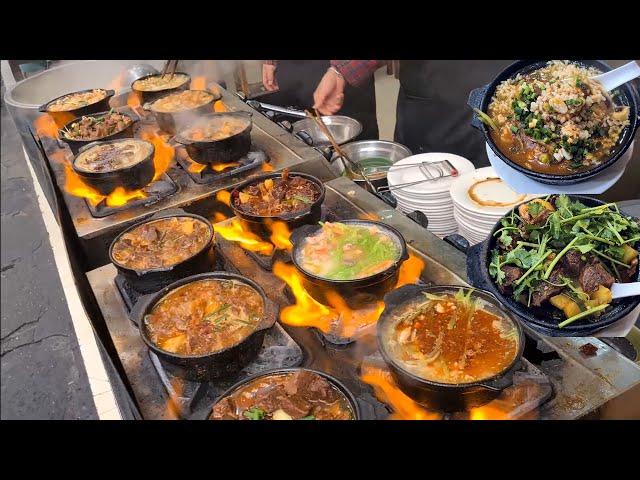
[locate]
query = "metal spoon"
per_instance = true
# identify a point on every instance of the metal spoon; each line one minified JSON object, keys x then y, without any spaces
{"x":621,"y":290}
{"x":619,"y":76}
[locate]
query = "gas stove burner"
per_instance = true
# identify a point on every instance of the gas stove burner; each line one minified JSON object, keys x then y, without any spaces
{"x":530,"y":390}
{"x":192,"y":400}
{"x":204,"y":174}
{"x":155,"y":191}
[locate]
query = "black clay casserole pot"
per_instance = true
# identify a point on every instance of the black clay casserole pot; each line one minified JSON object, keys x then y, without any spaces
{"x":450,"y":397}
{"x":542,"y":319}
{"x":222,"y":363}
{"x":153,"y":279}
{"x":75,"y":145}
{"x":225,"y":150}
{"x":355,"y":408}
{"x":480,"y":98}
{"x":171,"y":122}
{"x":145,"y":96}
{"x":132,"y":177}
{"x":61,"y":118}
{"x":373,"y":285}
{"x":310,"y":215}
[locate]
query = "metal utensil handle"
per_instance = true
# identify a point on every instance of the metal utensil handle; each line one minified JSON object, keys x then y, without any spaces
{"x":276,"y":108}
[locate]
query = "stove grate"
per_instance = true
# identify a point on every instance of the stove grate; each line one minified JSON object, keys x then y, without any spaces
{"x":252,"y":160}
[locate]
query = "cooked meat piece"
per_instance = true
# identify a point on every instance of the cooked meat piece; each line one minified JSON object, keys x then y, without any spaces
{"x":545,"y":291}
{"x":512,"y":273}
{"x":296,"y":405}
{"x":593,"y":275}
{"x":588,"y":350}
{"x":572,"y":263}
{"x":224,"y":409}
{"x":629,"y":274}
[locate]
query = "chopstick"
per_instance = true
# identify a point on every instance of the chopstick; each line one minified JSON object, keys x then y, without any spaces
{"x":173,"y":64}
{"x":317,"y":118}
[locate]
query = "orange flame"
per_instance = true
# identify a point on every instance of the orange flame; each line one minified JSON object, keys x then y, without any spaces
{"x":76,"y":186}
{"x":307,"y":312}
{"x":195,"y":167}
{"x":336,"y":317}
{"x":223,"y":166}
{"x":133,"y":101}
{"x":266,"y":167}
{"x":236,"y":231}
{"x":219,"y":217}
{"x":46,"y":126}
{"x":410,"y":270}
{"x":488,"y":412}
{"x":369,"y":216}
{"x":172,"y":409}
{"x":404,"y":408}
{"x":199,"y":83}
{"x":120,"y":196}
{"x":163,"y":152}
{"x":218,"y":106}
{"x":280,"y":234}
{"x":224,"y":196}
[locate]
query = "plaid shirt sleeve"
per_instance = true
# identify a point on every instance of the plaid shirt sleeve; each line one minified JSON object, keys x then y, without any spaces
{"x":355,"y":72}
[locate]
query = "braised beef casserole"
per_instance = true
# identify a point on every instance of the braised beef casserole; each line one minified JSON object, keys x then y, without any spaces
{"x":292,"y":395}
{"x":272,"y":197}
{"x":204,"y":317}
{"x":161,"y":243}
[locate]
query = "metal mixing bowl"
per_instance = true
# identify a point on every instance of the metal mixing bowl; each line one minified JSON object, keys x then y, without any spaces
{"x":364,"y":149}
{"x":344,"y":129}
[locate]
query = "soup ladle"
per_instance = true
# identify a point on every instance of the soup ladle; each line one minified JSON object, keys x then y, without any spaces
{"x":619,"y":76}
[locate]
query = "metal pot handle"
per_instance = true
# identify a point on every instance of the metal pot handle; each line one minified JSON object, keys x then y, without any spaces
{"x":139,"y":307}
{"x":458,"y":241}
{"x":475,"y":100}
{"x":305,"y":137}
{"x":419,"y":217}
{"x":500,"y":383}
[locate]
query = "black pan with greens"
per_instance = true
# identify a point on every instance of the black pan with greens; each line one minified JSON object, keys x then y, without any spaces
{"x":558,"y":257}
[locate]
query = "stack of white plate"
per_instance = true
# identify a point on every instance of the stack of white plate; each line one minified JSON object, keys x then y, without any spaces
{"x":429,"y":197}
{"x":480,"y":199}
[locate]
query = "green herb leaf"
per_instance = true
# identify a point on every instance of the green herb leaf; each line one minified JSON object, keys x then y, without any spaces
{"x":254,"y":413}
{"x":308,"y":417}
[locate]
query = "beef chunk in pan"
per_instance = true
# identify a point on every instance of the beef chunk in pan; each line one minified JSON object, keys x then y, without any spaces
{"x":572,"y":263}
{"x":629,"y":274}
{"x":512,"y":273}
{"x":593,"y":275}
{"x":546,"y":290}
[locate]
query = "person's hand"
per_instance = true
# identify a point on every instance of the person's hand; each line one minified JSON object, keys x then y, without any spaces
{"x":329,"y":94}
{"x":269,"y":77}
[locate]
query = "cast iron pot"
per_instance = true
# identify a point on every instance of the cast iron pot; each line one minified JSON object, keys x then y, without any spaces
{"x":226,"y":150}
{"x":61,"y":118}
{"x":446,"y":396}
{"x":76,"y":145}
{"x":171,"y":122}
{"x":481,"y":97}
{"x":311,"y":215}
{"x":145,"y":96}
{"x":332,"y":380}
{"x":354,"y":291}
{"x":153,"y":279}
{"x":542,"y":319}
{"x":134,"y":177}
{"x":222,"y":363}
